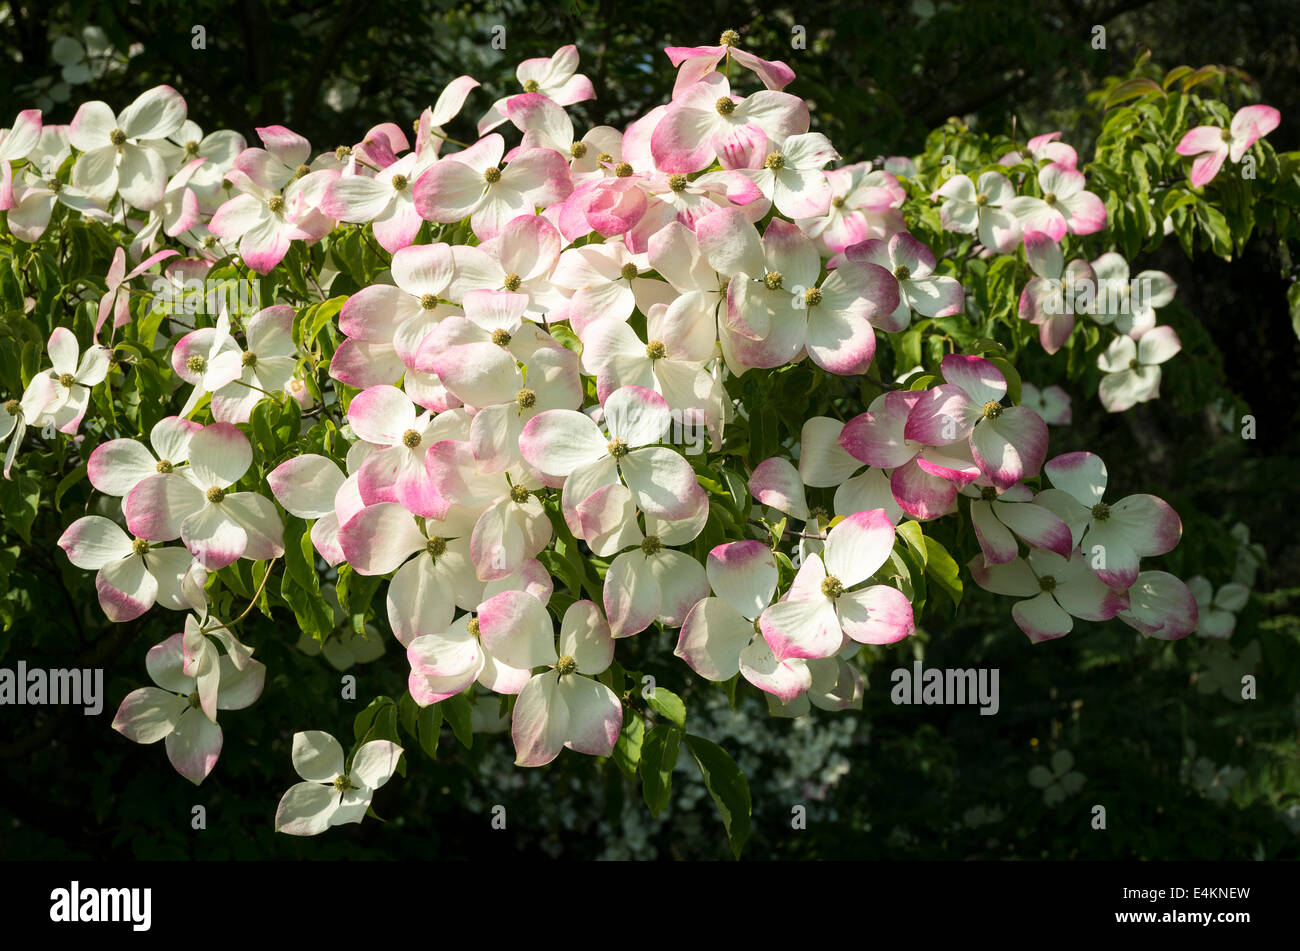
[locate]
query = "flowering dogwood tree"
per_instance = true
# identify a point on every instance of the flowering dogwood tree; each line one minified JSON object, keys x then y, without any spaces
{"x":527,"y":401}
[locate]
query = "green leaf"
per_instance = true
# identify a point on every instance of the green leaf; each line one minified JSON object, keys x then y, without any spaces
{"x":658,"y":757}
{"x":1012,"y":375}
{"x":1293,"y":301}
{"x":728,"y":787}
{"x":19,"y":499}
{"x":430,"y":726}
{"x":668,"y":705}
{"x":942,"y":570}
{"x":459,"y":714}
{"x":911,"y":533}
{"x":627,"y":751}
{"x":1132,"y":89}
{"x":408,"y":715}
{"x":67,"y":482}
{"x":378,"y":721}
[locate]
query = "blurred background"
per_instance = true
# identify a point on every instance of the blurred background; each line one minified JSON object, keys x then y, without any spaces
{"x":1158,"y":733}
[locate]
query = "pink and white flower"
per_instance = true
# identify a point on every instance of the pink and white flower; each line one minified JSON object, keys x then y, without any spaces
{"x":117,"y":156}
{"x":912,"y":265}
{"x":697,"y":62}
{"x":71,"y":378}
{"x":175,"y":712}
{"x":1065,"y":206}
{"x":719,"y":638}
{"x":1132,"y":369}
{"x":333,"y":793}
{"x":1114,"y":535}
{"x":131,"y":574}
{"x":195,"y":505}
{"x":564,"y":706}
{"x":556,"y":77}
{"x":1056,"y":590}
{"x":825,"y":603}
{"x":1009,"y":443}
{"x":1211,"y":145}
{"x":978,"y":210}
{"x":568,"y":449}
{"x":1052,"y":403}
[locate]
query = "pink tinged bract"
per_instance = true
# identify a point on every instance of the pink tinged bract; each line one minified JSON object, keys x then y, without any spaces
{"x":1161,"y":606}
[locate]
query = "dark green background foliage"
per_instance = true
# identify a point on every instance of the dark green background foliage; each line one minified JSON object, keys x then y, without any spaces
{"x":880,"y":79}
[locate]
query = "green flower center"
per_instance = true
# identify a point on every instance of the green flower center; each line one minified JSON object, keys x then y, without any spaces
{"x":215,"y":494}
{"x":210,"y":241}
{"x":729,"y":38}
{"x":429,"y":301}
{"x":343,"y":784}
{"x":67,"y":379}
{"x":1047,"y":583}
{"x":117,"y":137}
{"x":725,"y":106}
{"x":981,"y":199}
{"x":191,"y":148}
{"x":1050,"y":198}
{"x":302,"y":171}
{"x":604,"y":158}
{"x":617,"y":448}
{"x":992,"y":409}
{"x":343,"y":152}
{"x":436,"y":546}
{"x":812,"y":297}
{"x":655,"y":350}
{"x":838,"y":201}
{"x":12,"y":407}
{"x":411,"y":439}
{"x":773,"y":280}
{"x":578,"y":149}
{"x":902,"y":272}
{"x":512,"y":282}
{"x":400,"y":183}
{"x":651,"y":545}
{"x":988,"y":493}
{"x":519,"y":494}
{"x":627,"y":271}
{"x":566,"y":665}
{"x":492,"y":175}
{"x":196,"y":364}
{"x":248,"y":359}
{"x":164,"y":466}
{"x":775,"y":161}
{"x":275,"y":203}
{"x":139,"y":546}
{"x":678,"y":182}
{"x":195,"y":702}
{"x":1133,"y":364}
{"x":501,"y":338}
{"x":1100,"y":512}
{"x":832,"y":587}
{"x":623,"y":170}
{"x":526,"y":398}
{"x":531,"y":85}
{"x":472,"y":626}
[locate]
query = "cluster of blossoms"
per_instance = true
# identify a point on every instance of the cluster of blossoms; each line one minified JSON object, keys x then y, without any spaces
{"x":556,"y":311}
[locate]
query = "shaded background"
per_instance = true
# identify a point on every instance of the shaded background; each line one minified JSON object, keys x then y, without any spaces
{"x":894,"y":782}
